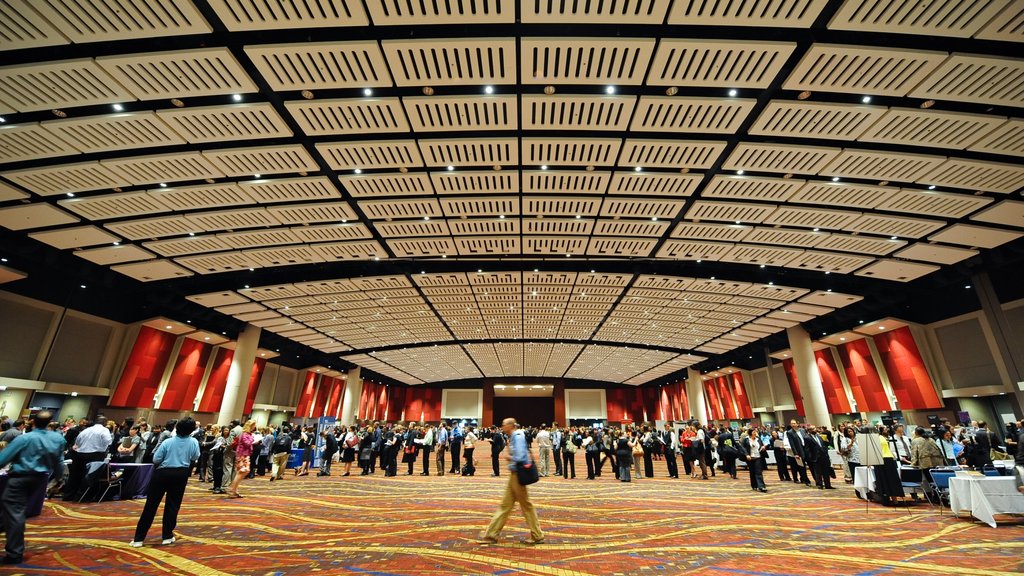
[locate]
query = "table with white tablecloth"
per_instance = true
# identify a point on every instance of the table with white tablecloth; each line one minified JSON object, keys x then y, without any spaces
{"x":985,"y":497}
{"x":864,"y":481}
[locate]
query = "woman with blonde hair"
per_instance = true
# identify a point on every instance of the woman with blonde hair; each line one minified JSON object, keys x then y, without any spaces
{"x":243,"y":451}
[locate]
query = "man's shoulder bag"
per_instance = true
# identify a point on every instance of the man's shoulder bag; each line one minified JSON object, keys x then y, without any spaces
{"x":527,"y":474}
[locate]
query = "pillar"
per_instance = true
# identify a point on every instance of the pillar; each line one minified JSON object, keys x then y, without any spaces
{"x":1007,"y":352}
{"x":350,"y":397}
{"x":695,"y":394}
{"x":815,"y":408}
{"x":779,"y":420}
{"x":238,"y":375}
{"x":487,"y":409}
{"x":559,"y":392}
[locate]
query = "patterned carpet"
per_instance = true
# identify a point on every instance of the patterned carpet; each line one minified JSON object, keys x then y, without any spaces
{"x":418,"y":525}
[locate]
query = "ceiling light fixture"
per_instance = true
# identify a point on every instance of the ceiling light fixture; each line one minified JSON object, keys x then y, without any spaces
{"x":163,"y":185}
{"x":450,"y":167}
{"x":739,"y":172}
{"x":733,"y":93}
{"x":236,"y":97}
{"x":932,"y":187}
{"x":637,"y":169}
{"x":866,"y":100}
{"x":609,"y":90}
{"x":71,"y":194}
{"x":835,"y":178}
{"x":367,"y":92}
{"x":118,"y":108}
{"x":488,"y":89}
{"x":544,"y":167}
{"x":358,"y":170}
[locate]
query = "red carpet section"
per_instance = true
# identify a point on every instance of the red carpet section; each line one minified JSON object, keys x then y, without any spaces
{"x":418,"y":525}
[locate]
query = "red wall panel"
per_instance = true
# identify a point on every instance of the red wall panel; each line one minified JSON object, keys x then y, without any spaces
{"x":306,"y":397}
{"x":908,"y":376}
{"x":396,"y":404}
{"x":186,"y":376}
{"x":725,"y":396}
{"x":716,"y":410}
{"x":618,"y":405}
{"x":381,"y":409}
{"x":861,"y":373}
{"x":789,"y":367}
{"x":335,"y":396}
{"x":140,"y":379}
{"x":422,"y":404}
{"x":739,"y":393}
{"x":213,"y":395}
{"x":831,"y":382}
{"x":254,"y":384}
{"x":320,"y":399}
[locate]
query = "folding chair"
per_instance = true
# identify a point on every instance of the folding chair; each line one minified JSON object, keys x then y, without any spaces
{"x":912,"y":479}
{"x":990,"y":470}
{"x":940,"y":483}
{"x":99,"y":474}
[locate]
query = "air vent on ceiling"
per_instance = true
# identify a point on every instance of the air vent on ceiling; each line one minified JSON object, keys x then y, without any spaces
{"x":470,"y":152}
{"x":933,"y":203}
{"x":938,"y":129}
{"x":49,"y":85}
{"x":264,"y":160}
{"x":719,"y":232}
{"x":626,"y":12}
{"x":349,"y":116}
{"x":783,"y":237}
{"x":618,"y":248}
{"x":21,"y":27}
{"x":693,"y":250}
{"x":897,"y":226}
{"x":152,"y":270}
{"x":751,"y":188}
{"x":488,"y":246}
{"x":842,"y":194}
{"x":901,"y":167}
{"x":484,"y":226}
{"x":860,"y":244}
{"x":616,"y":61}
{"x":1007,"y":26}
{"x":812,"y":217}
{"x":231,"y":219}
{"x":367,"y":154}
{"x":654,"y":184}
{"x":729,"y":211}
{"x":321,"y":65}
{"x":952,"y":18}
{"x":226,"y":123}
{"x":420,"y":247}
{"x":390,"y":13}
{"x":284,"y":256}
{"x":670,"y":153}
{"x":290,"y":189}
{"x":310,"y":213}
{"x":562,"y":181}
{"x":554,"y":245}
{"x":387,"y":185}
{"x":630,"y":228}
{"x":815,"y":120}
{"x":718,"y":63}
{"x":244,"y":15}
{"x":385,"y":209}
{"x":897,"y":270}
{"x":560,"y":206}
{"x":557,"y":226}
{"x":53,"y":180}
{"x":779,"y":158}
{"x":686,"y":114}
{"x":829,"y":262}
{"x":976,"y":175}
{"x":641,"y":208}
{"x":480,"y":206}
{"x":470,"y":182}
{"x":862,"y":69}
{"x":332,"y":232}
{"x":194,"y":197}
{"x":256,"y":238}
{"x":114,"y":132}
{"x":31,"y":142}
{"x":762,"y":13}
{"x":114,"y":205}
{"x":364,"y":250}
{"x":91,"y":21}
{"x":216,"y":263}
{"x":458,"y":113}
{"x":747,"y":254}
{"x":1006,"y":139}
{"x":154,"y":227}
{"x":576,"y":112}
{"x":179,"y":74}
{"x":459,"y":62}
{"x":574,"y":152}
{"x":164,"y":168}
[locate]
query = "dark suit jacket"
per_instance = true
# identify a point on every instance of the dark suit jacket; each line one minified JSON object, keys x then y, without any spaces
{"x":796,"y":443}
{"x":815,"y":448}
{"x":982,"y":441}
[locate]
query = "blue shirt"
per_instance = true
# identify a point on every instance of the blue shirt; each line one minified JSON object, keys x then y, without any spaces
{"x":556,"y":439}
{"x":176,"y":452}
{"x":36,"y":451}
{"x":442,"y":436}
{"x":517,"y":447}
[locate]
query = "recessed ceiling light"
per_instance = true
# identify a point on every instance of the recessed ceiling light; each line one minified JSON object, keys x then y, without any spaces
{"x":609,"y":90}
{"x":236,"y":97}
{"x":739,"y":221}
{"x":118,"y":108}
{"x":544,"y":167}
{"x":256,"y":175}
{"x":835,"y":178}
{"x":450,"y":168}
{"x":932,"y":187}
{"x":739,"y":172}
{"x":367,"y":92}
{"x":881,"y":327}
{"x":169,"y":326}
{"x":488,"y":89}
{"x":426,"y":217}
{"x":163,"y":185}
{"x":71,"y":194}
{"x":866,"y":100}
{"x":81,"y":286}
{"x":637,"y":169}
{"x":191,"y":233}
{"x":762,"y":265}
{"x":117,"y":243}
{"x":894,"y":238}
{"x":2,"y":120}
{"x":654,"y":218}
{"x":968,"y":287}
{"x":733,"y":93}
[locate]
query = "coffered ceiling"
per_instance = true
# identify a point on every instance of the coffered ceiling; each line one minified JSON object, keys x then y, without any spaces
{"x":190,"y":148}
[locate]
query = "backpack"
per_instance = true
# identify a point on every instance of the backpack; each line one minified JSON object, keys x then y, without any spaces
{"x":283,"y":443}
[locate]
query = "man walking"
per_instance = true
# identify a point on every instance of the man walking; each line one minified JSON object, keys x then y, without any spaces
{"x":518,"y":455}
{"x":33,"y":457}
{"x":229,"y":452}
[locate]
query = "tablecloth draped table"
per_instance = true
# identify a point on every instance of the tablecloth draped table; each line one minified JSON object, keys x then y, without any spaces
{"x":134,"y":480}
{"x":35,"y":503}
{"x":984,"y":497}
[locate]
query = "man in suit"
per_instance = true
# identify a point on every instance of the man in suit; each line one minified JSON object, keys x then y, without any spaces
{"x":796,"y":446}
{"x":455,"y":446}
{"x":982,"y":446}
{"x":671,"y":445}
{"x":556,"y":447}
{"x":497,"y":445}
{"x":816,"y":449}
{"x":728,"y":449}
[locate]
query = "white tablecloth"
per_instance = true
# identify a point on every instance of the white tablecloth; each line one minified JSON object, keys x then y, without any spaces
{"x":863,"y":480}
{"x":984,"y":497}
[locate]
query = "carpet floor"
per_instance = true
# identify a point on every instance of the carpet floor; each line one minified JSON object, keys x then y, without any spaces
{"x":418,"y":525}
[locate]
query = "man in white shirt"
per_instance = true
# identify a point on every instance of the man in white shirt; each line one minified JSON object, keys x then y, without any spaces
{"x":901,"y":446}
{"x":91,"y":445}
{"x":426,"y":445}
{"x":544,"y":448}
{"x":557,"y":444}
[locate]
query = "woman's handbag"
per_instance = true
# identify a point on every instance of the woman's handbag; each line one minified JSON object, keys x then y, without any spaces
{"x":638,"y":450}
{"x":527,"y":474}
{"x":570,"y":447}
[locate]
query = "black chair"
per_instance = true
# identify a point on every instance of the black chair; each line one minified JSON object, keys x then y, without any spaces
{"x":99,"y":475}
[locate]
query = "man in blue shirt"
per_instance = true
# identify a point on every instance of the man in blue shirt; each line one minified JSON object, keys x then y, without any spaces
{"x":519,"y":455}
{"x":441,"y":440}
{"x":33,"y":457}
{"x":455,"y":444}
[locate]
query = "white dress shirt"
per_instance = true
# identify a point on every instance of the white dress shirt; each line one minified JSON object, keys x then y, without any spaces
{"x":95,"y":438}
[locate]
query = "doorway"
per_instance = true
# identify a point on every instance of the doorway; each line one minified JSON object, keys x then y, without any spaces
{"x":528,"y":411}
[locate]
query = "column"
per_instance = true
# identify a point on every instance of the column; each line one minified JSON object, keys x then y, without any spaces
{"x":779,"y":419}
{"x":815,"y":408}
{"x":695,"y":394}
{"x":1006,"y":353}
{"x":238,"y":375}
{"x":350,"y":399}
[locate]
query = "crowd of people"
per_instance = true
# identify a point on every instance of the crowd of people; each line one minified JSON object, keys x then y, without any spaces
{"x":225,"y":456}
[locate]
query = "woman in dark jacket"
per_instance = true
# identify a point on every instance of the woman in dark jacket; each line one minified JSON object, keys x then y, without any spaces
{"x":624,"y":458}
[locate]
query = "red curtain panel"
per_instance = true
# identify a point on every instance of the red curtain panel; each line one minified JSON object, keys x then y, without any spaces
{"x":254,"y":384}
{"x":725,"y":396}
{"x":908,"y":376}
{"x":739,"y":392}
{"x":306,"y":397}
{"x":789,"y":367}
{"x":320,"y":398}
{"x":186,"y":376}
{"x":335,"y":397}
{"x":423,"y":404}
{"x":140,"y":379}
{"x":715,"y":408}
{"x":861,"y":373}
{"x":831,"y":382}
{"x":213,"y":394}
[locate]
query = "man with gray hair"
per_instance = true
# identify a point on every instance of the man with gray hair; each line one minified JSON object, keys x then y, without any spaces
{"x":517,"y":456}
{"x":544,"y":449}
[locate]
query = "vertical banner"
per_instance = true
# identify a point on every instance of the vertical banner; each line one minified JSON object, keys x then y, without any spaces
{"x":862,"y":374}
{"x":186,"y":376}
{"x":908,"y":376}
{"x":306,"y":397}
{"x":715,"y":408}
{"x":217,"y":382}
{"x":254,"y":384}
{"x":789,"y":367}
{"x":141,"y":376}
{"x":725,"y":397}
{"x":320,"y":398}
{"x":831,"y":382}
{"x":739,"y":393}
